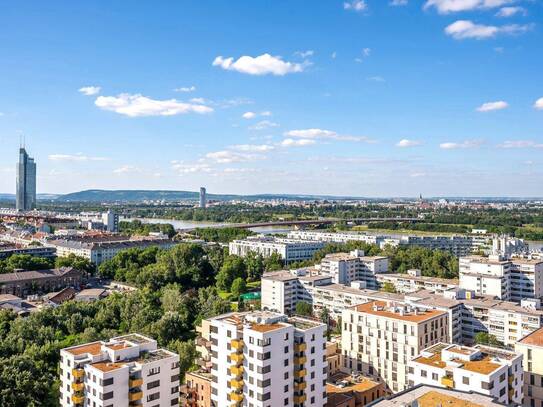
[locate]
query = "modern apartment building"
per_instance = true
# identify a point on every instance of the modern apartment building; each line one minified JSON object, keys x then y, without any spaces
{"x":335,"y":237}
{"x":128,"y":370}
{"x":457,"y":245}
{"x":423,"y":396}
{"x":100,"y":250}
{"x":508,"y":279}
{"x":290,"y":250}
{"x":379,"y":339}
{"x":413,"y":281}
{"x":265,"y":359}
{"x":25,"y":197}
{"x":203,"y":198}
{"x":531,"y":348}
{"x":490,"y":371}
{"x":345,"y":268}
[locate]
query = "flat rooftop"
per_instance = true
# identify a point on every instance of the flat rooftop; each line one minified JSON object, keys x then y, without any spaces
{"x":535,"y":338}
{"x":445,"y":281}
{"x":344,"y":383}
{"x":93,"y":348}
{"x":381,"y":309}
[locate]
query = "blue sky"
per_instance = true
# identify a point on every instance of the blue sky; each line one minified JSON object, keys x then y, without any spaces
{"x":366,"y":98}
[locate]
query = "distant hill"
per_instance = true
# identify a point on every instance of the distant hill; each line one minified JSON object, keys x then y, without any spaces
{"x":100,"y":195}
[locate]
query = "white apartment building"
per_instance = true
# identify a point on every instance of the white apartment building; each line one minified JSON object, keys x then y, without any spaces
{"x":335,"y":237}
{"x":486,"y":370}
{"x":127,"y":370}
{"x":290,"y":250}
{"x":100,"y":251}
{"x":508,"y":246}
{"x":457,"y":245}
{"x":264,"y":359}
{"x":379,"y":339}
{"x":508,"y":279}
{"x":345,"y":268}
{"x":414,"y":281}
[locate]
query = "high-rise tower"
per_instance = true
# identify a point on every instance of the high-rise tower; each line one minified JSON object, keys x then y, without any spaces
{"x":203,"y":197}
{"x":26,"y":182}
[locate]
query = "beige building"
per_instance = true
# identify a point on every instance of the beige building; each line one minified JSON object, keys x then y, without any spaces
{"x":380,"y":338}
{"x":531,"y":348}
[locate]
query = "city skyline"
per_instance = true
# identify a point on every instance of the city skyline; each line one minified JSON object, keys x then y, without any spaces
{"x":350,"y":98}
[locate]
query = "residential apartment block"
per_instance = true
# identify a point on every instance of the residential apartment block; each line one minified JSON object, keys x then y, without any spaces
{"x":345,"y":268}
{"x":128,"y":370}
{"x":531,"y":348}
{"x":509,"y":279}
{"x":379,"y":339}
{"x":265,"y":359}
{"x":290,"y":250}
{"x":23,"y":283}
{"x":490,"y":371}
{"x":414,"y":281}
{"x":335,"y":237}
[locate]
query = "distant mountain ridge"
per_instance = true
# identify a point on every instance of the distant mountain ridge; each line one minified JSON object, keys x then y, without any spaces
{"x":100,"y":195}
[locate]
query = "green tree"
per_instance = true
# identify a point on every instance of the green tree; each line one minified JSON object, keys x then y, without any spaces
{"x":273,"y":262}
{"x":233,"y":267}
{"x":304,"y":308}
{"x":239,"y":286}
{"x":388,"y":287}
{"x":484,"y":338}
{"x":187,"y":355}
{"x":77,"y":262}
{"x":255,"y":266}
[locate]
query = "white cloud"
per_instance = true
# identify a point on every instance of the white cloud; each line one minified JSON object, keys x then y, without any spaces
{"x":226,"y":157}
{"x":127,"y":169}
{"x":90,"y":90}
{"x":398,"y":2}
{"x":510,"y":11}
{"x":324,"y":134}
{"x":417,"y":174}
{"x":355,"y":5}
{"x":185,"y":89}
{"x":376,"y":79}
{"x":200,"y":101}
{"x":261,"y":65}
{"x":333,"y":55}
{"x":538,"y":104}
{"x":305,"y":54}
{"x":462,"y":145}
{"x":249,"y":115}
{"x":463,"y":29}
{"x":264,"y":124}
{"x":404,"y":143}
{"x":520,"y":144}
{"x":253,"y":147}
{"x":366,"y":52}
{"x":139,"y":105}
{"x":451,"y":6}
{"x":189,"y":168}
{"x":74,"y":157}
{"x":288,"y":142}
{"x":491,"y":106}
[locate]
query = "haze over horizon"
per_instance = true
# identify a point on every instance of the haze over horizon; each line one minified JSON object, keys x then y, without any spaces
{"x":347,"y":98}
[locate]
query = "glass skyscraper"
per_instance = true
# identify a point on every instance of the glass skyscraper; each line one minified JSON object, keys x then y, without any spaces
{"x":26,"y":182}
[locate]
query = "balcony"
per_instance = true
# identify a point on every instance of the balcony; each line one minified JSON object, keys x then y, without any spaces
{"x":300,"y":373}
{"x":135,"y":382}
{"x":78,"y":386}
{"x":135,"y":395}
{"x":236,"y":371}
{"x":300,"y":399}
{"x":237,"y":344}
{"x":78,"y":398}
{"x":300,"y":360}
{"x":300,"y":386}
{"x":78,"y":373}
{"x":236,"y":384}
{"x":300,"y":347}
{"x":510,"y":379}
{"x":236,"y":357}
{"x":238,"y":397}
{"x":447,"y":381}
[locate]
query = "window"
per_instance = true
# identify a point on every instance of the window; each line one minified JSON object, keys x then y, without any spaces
{"x":107,"y":382}
{"x":286,"y":349}
{"x":152,"y":385}
{"x":153,"y":371}
{"x":107,"y":396}
{"x":423,"y":373}
{"x":434,"y":377}
{"x":465,"y":380}
{"x":154,"y":396}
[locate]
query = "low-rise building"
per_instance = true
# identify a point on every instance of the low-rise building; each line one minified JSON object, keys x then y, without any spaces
{"x":126,"y":370}
{"x":333,"y":356}
{"x":490,"y":371}
{"x":531,"y":348}
{"x":23,"y":283}
{"x":91,"y":294}
{"x":266,"y":359}
{"x":16,"y":304}
{"x":429,"y":396}
{"x":379,"y":339}
{"x":290,"y":250}
{"x":356,"y":391}
{"x":38,"y":251}
{"x":196,"y":392}
{"x":413,"y":281}
{"x":345,"y":268}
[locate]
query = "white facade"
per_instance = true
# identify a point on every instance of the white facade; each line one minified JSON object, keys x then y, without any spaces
{"x":379,"y":339}
{"x":514,"y":279}
{"x":290,"y":250}
{"x":127,"y":370}
{"x":203,"y":198}
{"x":110,"y":221}
{"x":334,"y":237}
{"x":265,"y":359}
{"x":345,"y":268}
{"x":413,"y":281}
{"x":490,"y":371}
